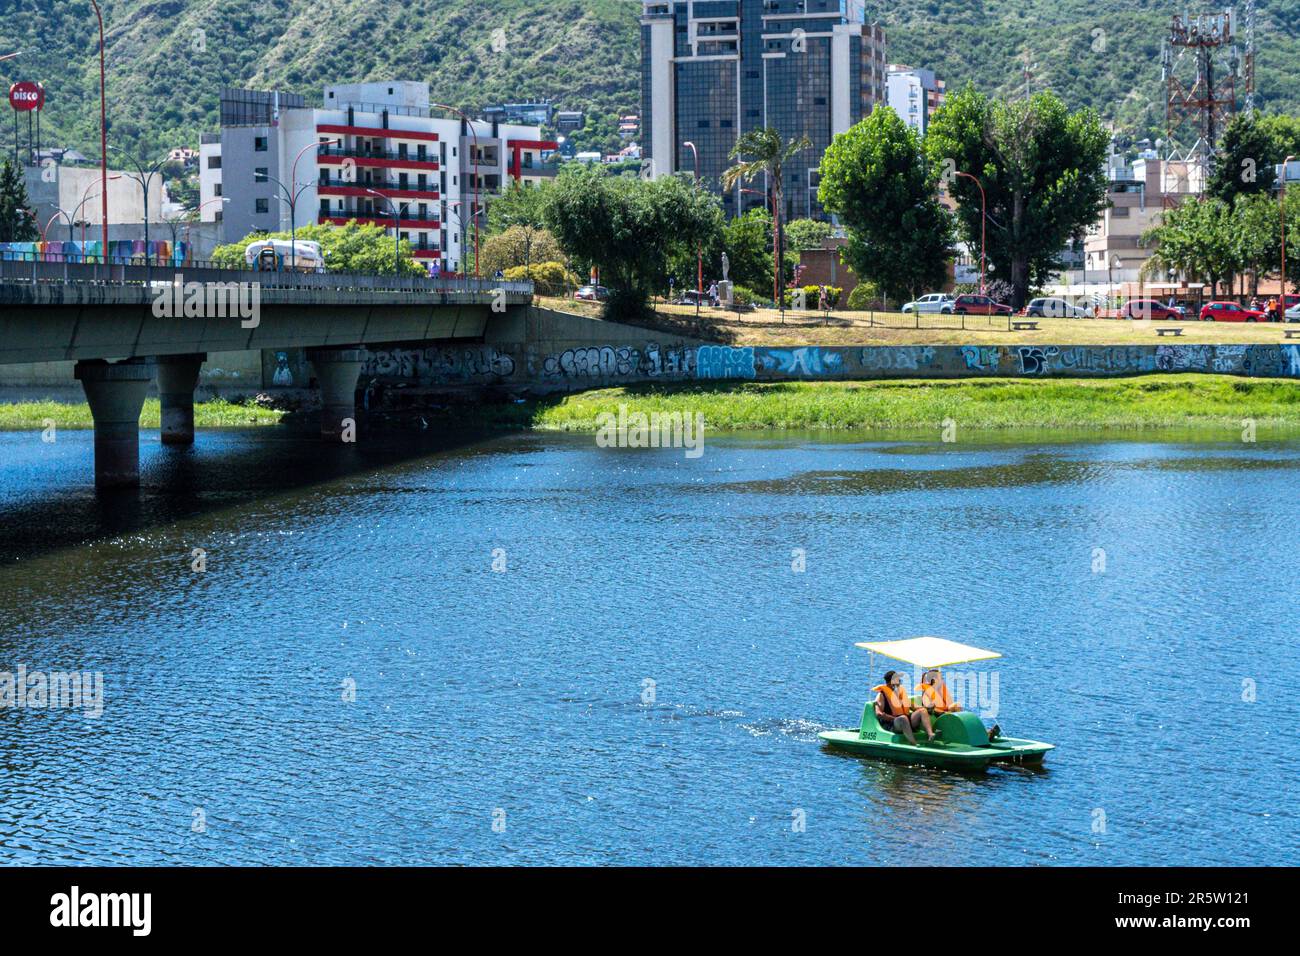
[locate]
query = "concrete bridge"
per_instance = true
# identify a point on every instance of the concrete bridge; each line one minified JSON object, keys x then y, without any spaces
{"x":125,"y":324}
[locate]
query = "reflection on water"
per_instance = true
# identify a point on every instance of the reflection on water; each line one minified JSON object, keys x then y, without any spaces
{"x":643,"y":675}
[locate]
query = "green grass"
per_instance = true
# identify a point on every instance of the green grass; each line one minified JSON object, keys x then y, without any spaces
{"x":217,"y":413}
{"x":1147,"y":402}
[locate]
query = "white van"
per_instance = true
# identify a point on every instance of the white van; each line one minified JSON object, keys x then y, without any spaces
{"x":281,"y":255}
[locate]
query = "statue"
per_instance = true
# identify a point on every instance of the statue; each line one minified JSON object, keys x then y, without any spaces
{"x":726,"y":264}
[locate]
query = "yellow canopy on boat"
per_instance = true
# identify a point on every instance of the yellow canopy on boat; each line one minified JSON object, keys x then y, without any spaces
{"x":929,"y":651}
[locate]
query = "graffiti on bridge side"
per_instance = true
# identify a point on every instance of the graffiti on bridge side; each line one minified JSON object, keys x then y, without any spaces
{"x":435,"y":363}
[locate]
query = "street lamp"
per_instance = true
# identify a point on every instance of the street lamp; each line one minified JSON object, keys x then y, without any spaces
{"x":699,"y":249}
{"x":85,"y":198}
{"x":476,"y":209}
{"x":103,"y":133}
{"x":1281,"y":205}
{"x":144,"y":178}
{"x":984,"y":220}
{"x":776,"y":253}
{"x":293,"y":205}
{"x":397,"y":230}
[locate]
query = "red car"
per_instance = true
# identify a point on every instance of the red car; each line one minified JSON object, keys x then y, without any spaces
{"x":1230,"y":312}
{"x":976,"y":305}
{"x":1148,"y":309}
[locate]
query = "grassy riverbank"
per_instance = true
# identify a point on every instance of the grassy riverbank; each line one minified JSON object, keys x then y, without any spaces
{"x":214,"y":414}
{"x":1146,"y":402}
{"x":1183,"y":402}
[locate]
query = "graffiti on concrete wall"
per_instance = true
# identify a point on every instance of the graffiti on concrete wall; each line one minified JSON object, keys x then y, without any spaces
{"x":613,"y":362}
{"x":905,"y":358}
{"x":810,"y":361}
{"x":586,"y":365}
{"x":724,"y":361}
{"x":439,"y":364}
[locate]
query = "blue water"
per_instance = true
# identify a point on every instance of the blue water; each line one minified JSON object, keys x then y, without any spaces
{"x":507,"y":716}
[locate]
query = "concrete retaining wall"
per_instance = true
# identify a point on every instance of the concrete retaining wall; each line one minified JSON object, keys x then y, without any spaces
{"x":572,"y":356}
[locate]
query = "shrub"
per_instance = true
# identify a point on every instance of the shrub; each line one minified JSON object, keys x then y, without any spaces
{"x":549,"y":278}
{"x":812,"y":297}
{"x":864,"y":297}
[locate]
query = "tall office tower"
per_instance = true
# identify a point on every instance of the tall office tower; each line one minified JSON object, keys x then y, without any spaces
{"x":714,"y":69}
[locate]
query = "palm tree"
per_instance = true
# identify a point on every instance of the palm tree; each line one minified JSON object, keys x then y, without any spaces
{"x":770,"y":156}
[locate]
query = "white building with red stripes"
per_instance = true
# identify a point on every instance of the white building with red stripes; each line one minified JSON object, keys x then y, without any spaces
{"x":379,"y":153}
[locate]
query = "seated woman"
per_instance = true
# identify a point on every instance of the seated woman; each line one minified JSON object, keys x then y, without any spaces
{"x":894,"y":709}
{"x":937,"y":699}
{"x":935,"y":696}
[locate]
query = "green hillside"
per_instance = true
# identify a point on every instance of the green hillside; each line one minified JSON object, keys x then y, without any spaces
{"x":167,"y":59}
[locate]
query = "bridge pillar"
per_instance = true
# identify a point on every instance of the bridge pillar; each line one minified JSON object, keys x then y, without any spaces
{"x":177,"y":377}
{"x":337,"y":371}
{"x":116,"y":396}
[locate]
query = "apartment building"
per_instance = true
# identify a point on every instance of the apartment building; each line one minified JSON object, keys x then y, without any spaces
{"x":712,"y":70}
{"x":1139,"y":193}
{"x":914,"y":95}
{"x":381,"y":153}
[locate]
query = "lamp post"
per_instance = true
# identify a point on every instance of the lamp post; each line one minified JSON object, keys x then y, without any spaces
{"x":85,"y":198}
{"x":1281,"y":205}
{"x":103,"y":133}
{"x":144,"y":178}
{"x":397,"y":230}
{"x":475,"y":209}
{"x":984,"y":220}
{"x":776,"y":253}
{"x":699,"y":249}
{"x":293,"y":206}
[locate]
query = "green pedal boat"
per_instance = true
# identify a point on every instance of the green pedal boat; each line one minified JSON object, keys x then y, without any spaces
{"x":961,"y":741}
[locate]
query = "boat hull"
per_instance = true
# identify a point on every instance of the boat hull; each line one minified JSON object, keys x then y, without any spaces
{"x":1005,"y":750}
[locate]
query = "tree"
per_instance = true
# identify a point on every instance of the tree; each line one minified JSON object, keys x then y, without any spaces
{"x":1198,"y":239}
{"x":17,"y":221}
{"x":523,"y":206}
{"x":630,"y":228}
{"x":1244,"y":164}
{"x":769,"y":159}
{"x":807,"y":233}
{"x":874,"y":177}
{"x":748,"y":241}
{"x":519,"y":246}
{"x":1042,"y":169}
{"x":351,"y":248}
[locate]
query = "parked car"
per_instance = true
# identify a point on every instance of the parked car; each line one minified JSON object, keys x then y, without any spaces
{"x":1293,"y":314}
{"x":1149,"y":309}
{"x":592,"y":293}
{"x":975,"y":305}
{"x":1230,"y":312}
{"x":933,"y":302}
{"x":1051,"y":307}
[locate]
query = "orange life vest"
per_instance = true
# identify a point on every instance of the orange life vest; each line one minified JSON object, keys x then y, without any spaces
{"x":936,"y":696}
{"x":899,"y":705}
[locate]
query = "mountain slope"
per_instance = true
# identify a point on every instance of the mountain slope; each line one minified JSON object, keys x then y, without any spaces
{"x":168,"y":59}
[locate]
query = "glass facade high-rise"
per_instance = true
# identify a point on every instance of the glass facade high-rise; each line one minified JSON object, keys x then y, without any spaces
{"x":714,"y":69}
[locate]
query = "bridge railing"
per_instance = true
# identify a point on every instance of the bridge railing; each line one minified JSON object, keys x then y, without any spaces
{"x":36,"y":269}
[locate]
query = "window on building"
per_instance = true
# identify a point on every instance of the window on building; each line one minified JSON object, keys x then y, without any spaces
{"x":262,"y":205}
{"x":214,"y":162}
{"x":259,"y":174}
{"x":216,"y":189}
{"x":259,"y":144}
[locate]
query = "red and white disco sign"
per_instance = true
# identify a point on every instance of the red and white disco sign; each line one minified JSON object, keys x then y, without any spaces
{"x":26,"y":95}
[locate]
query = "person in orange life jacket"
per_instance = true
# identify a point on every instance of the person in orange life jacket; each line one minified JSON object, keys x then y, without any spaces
{"x":935,"y":696}
{"x":895,"y":712}
{"x":937,"y":699}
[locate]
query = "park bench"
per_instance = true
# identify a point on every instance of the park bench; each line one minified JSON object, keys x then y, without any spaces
{"x":1024,"y":326}
{"x":1291,"y":333}
{"x":1169,"y":330}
